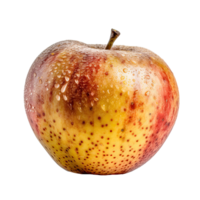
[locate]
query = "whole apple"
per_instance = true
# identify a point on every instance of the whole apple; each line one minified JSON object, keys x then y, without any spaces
{"x":99,"y":109}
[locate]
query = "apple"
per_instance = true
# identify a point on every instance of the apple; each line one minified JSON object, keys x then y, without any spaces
{"x":99,"y":109}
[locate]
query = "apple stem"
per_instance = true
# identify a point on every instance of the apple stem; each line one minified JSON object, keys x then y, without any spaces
{"x":114,"y":35}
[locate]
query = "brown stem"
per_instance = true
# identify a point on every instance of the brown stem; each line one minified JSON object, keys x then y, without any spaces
{"x":114,"y":35}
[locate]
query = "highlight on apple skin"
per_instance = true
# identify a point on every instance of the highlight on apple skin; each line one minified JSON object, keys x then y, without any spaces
{"x":100,"y":111}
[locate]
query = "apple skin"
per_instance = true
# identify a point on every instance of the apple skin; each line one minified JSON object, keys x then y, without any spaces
{"x":99,"y":111}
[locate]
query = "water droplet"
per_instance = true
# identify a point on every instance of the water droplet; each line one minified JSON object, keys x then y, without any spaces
{"x":76,"y":81}
{"x":122,"y":77}
{"x":34,"y":74}
{"x":65,"y":97}
{"x":103,"y":107}
{"x":79,"y":108}
{"x":58,"y":64}
{"x":63,"y":72}
{"x":125,"y":70}
{"x":59,"y":76}
{"x":78,"y":75}
{"x":40,"y":81}
{"x":147,"y":77}
{"x":67,"y":78}
{"x":57,"y":85}
{"x":108,"y":91}
{"x":58,"y":97}
{"x":147,"y":93}
{"x":64,"y":87}
{"x":92,"y":93}
{"x":47,"y":89}
{"x":30,"y":106}
{"x":96,"y":99}
{"x":92,"y":103}
{"x":87,"y":76}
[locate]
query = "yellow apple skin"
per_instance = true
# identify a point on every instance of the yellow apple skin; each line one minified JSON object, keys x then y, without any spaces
{"x":99,"y":111}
